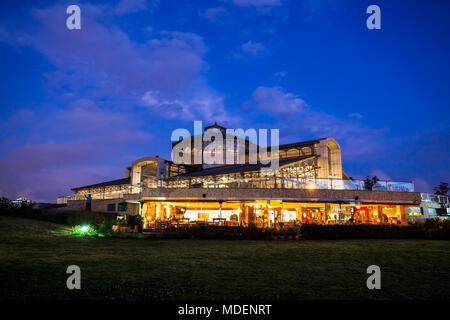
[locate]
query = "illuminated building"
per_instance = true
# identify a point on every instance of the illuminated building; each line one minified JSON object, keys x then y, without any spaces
{"x":308,"y":186}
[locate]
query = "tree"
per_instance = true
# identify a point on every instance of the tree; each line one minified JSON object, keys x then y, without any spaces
{"x":441,"y":189}
{"x":370,"y":182}
{"x":5,"y":205}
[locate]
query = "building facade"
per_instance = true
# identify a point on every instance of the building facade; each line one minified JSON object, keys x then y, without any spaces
{"x":307,"y":186}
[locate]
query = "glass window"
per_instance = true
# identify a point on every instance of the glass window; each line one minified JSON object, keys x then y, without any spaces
{"x":123,"y":206}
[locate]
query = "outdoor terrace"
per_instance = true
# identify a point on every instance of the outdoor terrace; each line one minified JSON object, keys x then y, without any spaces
{"x":287,"y":183}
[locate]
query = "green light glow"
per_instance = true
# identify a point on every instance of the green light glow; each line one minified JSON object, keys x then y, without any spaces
{"x":84,"y":231}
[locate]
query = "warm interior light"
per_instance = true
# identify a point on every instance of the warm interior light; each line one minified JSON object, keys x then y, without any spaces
{"x":311,"y":186}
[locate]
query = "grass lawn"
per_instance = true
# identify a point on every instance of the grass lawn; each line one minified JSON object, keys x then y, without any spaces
{"x":34,"y":256}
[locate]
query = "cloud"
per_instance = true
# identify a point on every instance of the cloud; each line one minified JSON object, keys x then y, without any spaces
{"x":314,"y":9}
{"x":380,"y":174}
{"x":319,"y":6}
{"x":102,"y":88}
{"x":131,"y":6}
{"x":421,"y":185}
{"x":254,"y":48}
{"x":305,"y":123}
{"x":207,"y":105}
{"x":214,"y":14}
{"x":278,"y":76}
{"x":365,"y":150}
{"x":257,"y":3}
{"x":250,"y":49}
{"x":101,"y":61}
{"x":90,"y":151}
{"x":355,"y":115}
{"x":275,"y":101}
{"x":423,"y":154}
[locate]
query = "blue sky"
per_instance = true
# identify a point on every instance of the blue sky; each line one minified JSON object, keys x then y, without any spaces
{"x":78,"y":106}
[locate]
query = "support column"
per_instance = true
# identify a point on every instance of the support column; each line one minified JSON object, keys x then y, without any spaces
{"x":243,"y":220}
{"x":172,"y":212}
{"x":159,"y":214}
{"x":381,"y":215}
{"x":403,"y":216}
{"x":251,"y":216}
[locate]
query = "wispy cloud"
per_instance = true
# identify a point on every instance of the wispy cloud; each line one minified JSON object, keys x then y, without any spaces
{"x":207,"y":105}
{"x":102,"y":61}
{"x":355,"y":115}
{"x":258,"y":3}
{"x":275,"y":101}
{"x":280,"y":75}
{"x":93,"y":136}
{"x":102,"y":86}
{"x":250,"y":49}
{"x":214,"y":14}
{"x":355,"y":139}
{"x":131,"y":6}
{"x":254,"y":48}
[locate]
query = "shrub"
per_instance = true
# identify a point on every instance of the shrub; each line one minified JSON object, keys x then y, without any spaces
{"x":84,"y":231}
{"x":272,"y":231}
{"x":8,"y":208}
{"x":214,"y":232}
{"x":293,"y":231}
{"x":105,"y":228}
{"x":133,"y":220}
{"x":120,"y":222}
{"x":431,"y":230}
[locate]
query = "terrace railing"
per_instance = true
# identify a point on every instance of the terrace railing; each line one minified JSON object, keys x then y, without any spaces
{"x":101,"y":195}
{"x":263,"y":183}
{"x":287,"y":183}
{"x":428,"y":197}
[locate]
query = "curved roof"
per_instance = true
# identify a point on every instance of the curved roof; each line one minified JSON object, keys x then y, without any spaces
{"x":147,"y":159}
{"x":227,"y":169}
{"x":106,"y":183}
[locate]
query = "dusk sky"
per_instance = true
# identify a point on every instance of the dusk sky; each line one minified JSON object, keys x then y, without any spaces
{"x":78,"y":106}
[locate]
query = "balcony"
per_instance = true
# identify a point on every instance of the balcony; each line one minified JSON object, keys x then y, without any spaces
{"x":435,"y":198}
{"x":284,"y":183}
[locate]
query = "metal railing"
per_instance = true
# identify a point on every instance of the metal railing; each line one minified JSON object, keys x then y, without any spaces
{"x":262,"y":183}
{"x":288,"y":183}
{"x":101,"y":195}
{"x":428,"y":197}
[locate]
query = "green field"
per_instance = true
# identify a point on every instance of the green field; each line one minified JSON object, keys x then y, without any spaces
{"x":34,"y":256}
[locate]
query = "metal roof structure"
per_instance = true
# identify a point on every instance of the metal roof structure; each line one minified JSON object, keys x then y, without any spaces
{"x":106,"y":183}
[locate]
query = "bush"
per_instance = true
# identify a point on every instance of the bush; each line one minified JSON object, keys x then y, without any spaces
{"x":293,"y":231}
{"x":105,"y":228}
{"x":133,"y":220}
{"x":97,"y":221}
{"x":120,"y":222}
{"x":271,"y":232}
{"x":84,"y":231}
{"x":8,"y":208}
{"x":214,"y":232}
{"x":431,"y":230}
